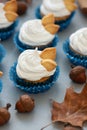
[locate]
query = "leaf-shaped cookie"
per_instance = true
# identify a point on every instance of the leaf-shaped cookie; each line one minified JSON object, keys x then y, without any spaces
{"x":48,"y":19}
{"x":52,"y":28}
{"x":49,"y":64}
{"x":48,"y":53}
{"x":11,"y":6}
{"x":70,"y":5}
{"x":11,"y":16}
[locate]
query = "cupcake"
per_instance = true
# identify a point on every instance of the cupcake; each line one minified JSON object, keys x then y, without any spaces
{"x":37,"y":33}
{"x":63,"y":11}
{"x":2,"y":53}
{"x":35,"y":71}
{"x":75,"y":47}
{"x":8,"y":18}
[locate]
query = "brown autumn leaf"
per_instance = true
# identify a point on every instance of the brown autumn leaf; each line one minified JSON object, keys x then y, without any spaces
{"x":69,"y":127}
{"x":73,"y":110}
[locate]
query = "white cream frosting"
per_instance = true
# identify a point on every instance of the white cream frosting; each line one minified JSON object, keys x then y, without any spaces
{"x":78,"y":41}
{"x":3,"y":20}
{"x":57,"y":7}
{"x":29,"y":66}
{"x":33,"y":33}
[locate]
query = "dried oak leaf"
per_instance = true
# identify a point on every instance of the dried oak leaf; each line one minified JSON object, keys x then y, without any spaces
{"x":69,"y":127}
{"x":74,"y":108}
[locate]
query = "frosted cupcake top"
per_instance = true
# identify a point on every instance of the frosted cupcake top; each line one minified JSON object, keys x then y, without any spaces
{"x":78,"y":41}
{"x":33,"y":33}
{"x":38,"y":32}
{"x":57,"y":7}
{"x":3,"y":20}
{"x":8,"y":13}
{"x":29,"y":66}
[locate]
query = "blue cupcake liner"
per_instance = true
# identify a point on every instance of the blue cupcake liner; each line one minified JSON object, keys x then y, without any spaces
{"x":74,"y":58}
{"x":22,"y":46}
{"x":5,"y":33}
{"x":0,"y":86}
{"x":29,"y":87}
{"x":2,"y":52}
{"x":63,"y":24}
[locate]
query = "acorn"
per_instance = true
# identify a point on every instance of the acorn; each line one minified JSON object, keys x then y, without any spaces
{"x":22,"y":7}
{"x":78,"y":74}
{"x":25,"y":104}
{"x":4,"y":114}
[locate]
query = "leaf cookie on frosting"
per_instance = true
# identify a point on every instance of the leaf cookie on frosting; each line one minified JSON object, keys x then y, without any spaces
{"x":49,"y":64}
{"x":11,"y":6}
{"x":48,"y":53}
{"x":48,"y":56}
{"x":48,"y":22}
{"x":11,"y":16}
{"x":70,"y":5}
{"x":48,"y":19}
{"x":52,"y":28}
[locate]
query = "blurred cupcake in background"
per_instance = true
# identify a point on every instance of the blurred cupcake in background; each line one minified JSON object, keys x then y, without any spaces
{"x":37,"y":33}
{"x":63,"y":11}
{"x":35,"y":71}
{"x":75,"y":47}
{"x":8,"y":18}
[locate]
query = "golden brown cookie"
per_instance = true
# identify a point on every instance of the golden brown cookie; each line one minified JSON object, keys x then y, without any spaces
{"x":48,"y":22}
{"x":70,"y":5}
{"x":11,"y":6}
{"x":52,"y":28}
{"x":11,"y":16}
{"x":49,"y":64}
{"x":48,"y":53}
{"x":48,"y":19}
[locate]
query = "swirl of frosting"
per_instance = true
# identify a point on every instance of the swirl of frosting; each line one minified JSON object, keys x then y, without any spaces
{"x":78,"y":41}
{"x":3,"y":20}
{"x":33,"y":33}
{"x":29,"y":66}
{"x":57,"y":7}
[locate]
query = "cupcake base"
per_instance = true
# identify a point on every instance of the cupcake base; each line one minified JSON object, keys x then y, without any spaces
{"x":74,"y":58}
{"x":63,"y":24}
{"x":22,"y":46}
{"x":5,"y":33}
{"x":2,"y":53}
{"x":32,"y":88}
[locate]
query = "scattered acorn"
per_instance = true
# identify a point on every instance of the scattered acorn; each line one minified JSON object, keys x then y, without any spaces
{"x":25,"y":104}
{"x":4,"y":114}
{"x":78,"y":74}
{"x":22,"y":7}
